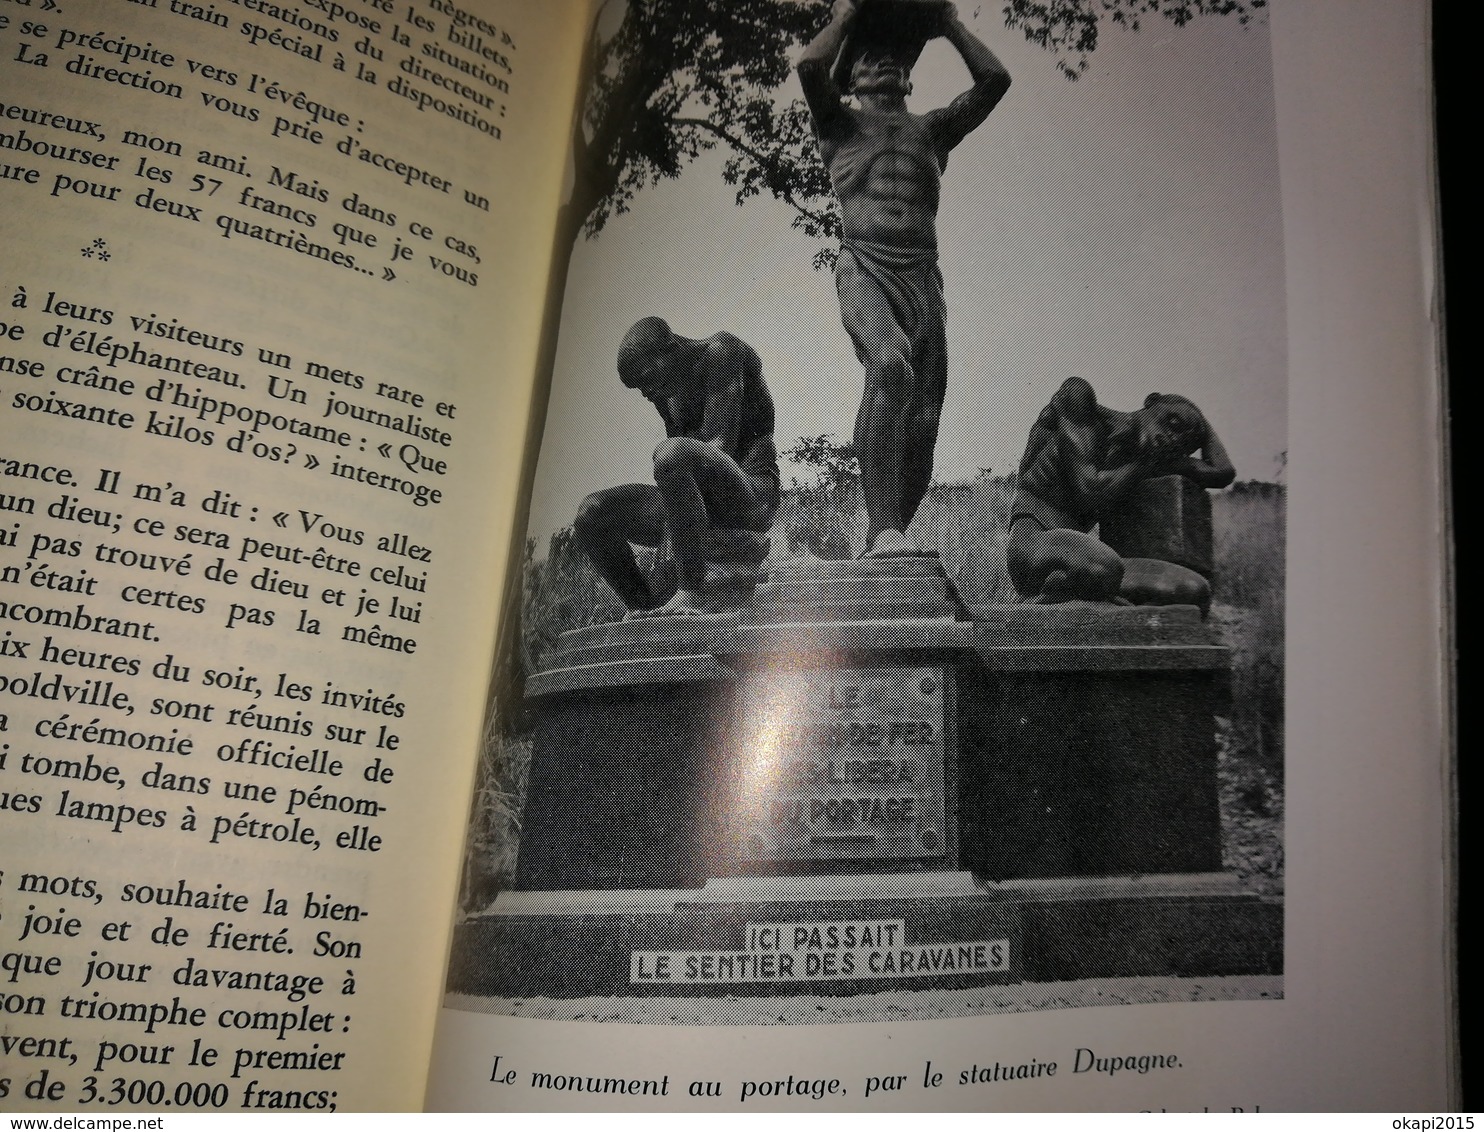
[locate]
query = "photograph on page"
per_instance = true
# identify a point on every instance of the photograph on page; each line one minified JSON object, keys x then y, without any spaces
{"x":268,"y":309}
{"x":901,"y":625}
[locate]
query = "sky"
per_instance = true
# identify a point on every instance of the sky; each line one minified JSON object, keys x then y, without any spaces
{"x":1125,"y":228}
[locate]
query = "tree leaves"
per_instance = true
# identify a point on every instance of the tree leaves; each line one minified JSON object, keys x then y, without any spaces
{"x":680,"y":77}
{"x":672,"y":79}
{"x":1069,"y":28}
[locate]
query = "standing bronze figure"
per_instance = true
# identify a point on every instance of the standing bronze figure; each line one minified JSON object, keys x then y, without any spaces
{"x":885,"y":163}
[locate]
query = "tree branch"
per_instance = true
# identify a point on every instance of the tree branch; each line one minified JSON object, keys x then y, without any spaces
{"x":783,"y":193}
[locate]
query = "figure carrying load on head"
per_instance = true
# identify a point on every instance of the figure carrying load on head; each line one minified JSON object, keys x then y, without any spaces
{"x":885,"y":163}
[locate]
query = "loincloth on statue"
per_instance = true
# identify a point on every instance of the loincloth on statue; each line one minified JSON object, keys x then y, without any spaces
{"x":1019,"y":515}
{"x":1047,"y":515}
{"x":760,"y":465}
{"x":909,"y":280}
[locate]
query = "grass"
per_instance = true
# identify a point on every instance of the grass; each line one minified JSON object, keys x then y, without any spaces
{"x":1249,"y":520}
{"x":968,"y":523}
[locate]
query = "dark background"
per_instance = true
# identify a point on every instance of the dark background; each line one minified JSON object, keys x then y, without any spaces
{"x":1456,"y":28}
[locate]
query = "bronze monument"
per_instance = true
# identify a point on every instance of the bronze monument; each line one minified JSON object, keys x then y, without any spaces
{"x":1081,"y":458}
{"x":716,"y":476}
{"x":885,"y":163}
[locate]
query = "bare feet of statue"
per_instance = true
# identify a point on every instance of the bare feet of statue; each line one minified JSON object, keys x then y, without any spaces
{"x":732,"y":575}
{"x":891,"y":544}
{"x":1060,"y":599}
{"x":895,"y":544}
{"x":685,"y":603}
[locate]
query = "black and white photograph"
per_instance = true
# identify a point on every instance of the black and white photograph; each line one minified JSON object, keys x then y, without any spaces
{"x":726,"y":556}
{"x":900,"y":619}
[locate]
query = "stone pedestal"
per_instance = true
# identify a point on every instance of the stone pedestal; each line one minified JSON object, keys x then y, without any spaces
{"x":862,"y":589}
{"x":858,"y":721}
{"x":1090,"y":748}
{"x":667,"y":751}
{"x":1012,"y":741}
{"x":624,"y":756}
{"x":765,"y":936}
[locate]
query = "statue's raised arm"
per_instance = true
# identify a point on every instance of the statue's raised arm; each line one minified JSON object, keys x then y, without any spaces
{"x":815,"y":65}
{"x":955,"y":121}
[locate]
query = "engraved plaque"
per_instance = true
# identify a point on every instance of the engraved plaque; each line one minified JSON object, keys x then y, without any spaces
{"x":838,"y":765}
{"x":824,"y":951}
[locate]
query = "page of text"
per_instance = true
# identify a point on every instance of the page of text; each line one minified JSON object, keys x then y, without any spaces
{"x":272,"y":280}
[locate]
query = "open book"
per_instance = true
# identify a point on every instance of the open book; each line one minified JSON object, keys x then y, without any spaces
{"x":539,"y":539}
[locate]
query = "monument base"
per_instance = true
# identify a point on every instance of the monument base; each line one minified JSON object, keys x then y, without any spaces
{"x":1012,"y":741}
{"x":837,"y":936}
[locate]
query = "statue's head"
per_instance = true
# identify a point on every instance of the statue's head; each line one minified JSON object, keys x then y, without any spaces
{"x":871,"y":62}
{"x":882,"y":68}
{"x":1169,"y":425}
{"x":643,"y":353}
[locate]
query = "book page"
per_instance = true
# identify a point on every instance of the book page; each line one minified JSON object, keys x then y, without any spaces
{"x":272,"y":281}
{"x":941,"y":784}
